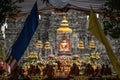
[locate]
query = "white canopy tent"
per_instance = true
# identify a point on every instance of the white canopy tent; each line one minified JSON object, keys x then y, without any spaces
{"x":83,"y":5}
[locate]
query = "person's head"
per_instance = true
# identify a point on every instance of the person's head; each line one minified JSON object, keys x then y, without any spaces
{"x":47,"y":65}
{"x":64,"y":41}
{"x":74,"y":64}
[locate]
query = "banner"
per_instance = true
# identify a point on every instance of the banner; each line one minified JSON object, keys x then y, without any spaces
{"x":24,"y":38}
{"x":96,"y":29}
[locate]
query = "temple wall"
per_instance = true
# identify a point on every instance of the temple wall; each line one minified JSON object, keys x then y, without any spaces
{"x":46,"y":31}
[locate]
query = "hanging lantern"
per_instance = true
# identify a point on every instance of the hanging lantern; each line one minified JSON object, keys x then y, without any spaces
{"x":47,"y":45}
{"x":39,"y":44}
{"x":81,"y":45}
{"x":64,"y":27}
{"x":92,"y":44}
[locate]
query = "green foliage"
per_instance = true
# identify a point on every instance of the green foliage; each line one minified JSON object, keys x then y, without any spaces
{"x":8,"y":8}
{"x":112,"y":18}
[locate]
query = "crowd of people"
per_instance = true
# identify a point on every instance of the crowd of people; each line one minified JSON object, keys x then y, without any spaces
{"x":49,"y":71}
{"x":98,"y":71}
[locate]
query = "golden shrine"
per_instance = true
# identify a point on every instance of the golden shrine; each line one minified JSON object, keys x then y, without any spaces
{"x":64,"y":47}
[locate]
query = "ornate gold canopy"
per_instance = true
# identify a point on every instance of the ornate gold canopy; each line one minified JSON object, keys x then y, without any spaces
{"x":81,"y":45}
{"x":39,"y":44}
{"x":92,"y":44}
{"x":47,"y":45}
{"x":64,"y":27}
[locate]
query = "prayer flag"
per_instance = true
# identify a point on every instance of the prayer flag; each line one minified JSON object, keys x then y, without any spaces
{"x":24,"y":38}
{"x":96,"y":29}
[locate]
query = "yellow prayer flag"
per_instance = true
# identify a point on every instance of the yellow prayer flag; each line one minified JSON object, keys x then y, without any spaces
{"x":2,"y":54}
{"x":96,"y":29}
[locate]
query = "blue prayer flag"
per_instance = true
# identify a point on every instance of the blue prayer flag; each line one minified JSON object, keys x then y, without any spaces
{"x":24,"y":38}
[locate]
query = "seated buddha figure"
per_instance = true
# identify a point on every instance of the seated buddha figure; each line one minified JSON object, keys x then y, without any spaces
{"x":64,"y":45}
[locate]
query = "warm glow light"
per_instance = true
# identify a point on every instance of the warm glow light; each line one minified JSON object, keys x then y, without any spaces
{"x":87,"y":17}
{"x":97,"y":15}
